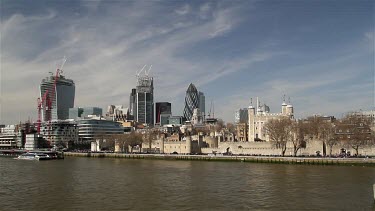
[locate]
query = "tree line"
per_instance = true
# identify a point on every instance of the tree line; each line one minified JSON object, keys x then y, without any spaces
{"x":352,"y":131}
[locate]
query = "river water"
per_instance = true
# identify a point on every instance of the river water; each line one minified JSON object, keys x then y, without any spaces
{"x":122,"y":184}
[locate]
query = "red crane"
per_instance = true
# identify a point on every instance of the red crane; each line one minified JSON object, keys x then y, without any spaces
{"x":47,"y":100}
{"x":48,"y":105}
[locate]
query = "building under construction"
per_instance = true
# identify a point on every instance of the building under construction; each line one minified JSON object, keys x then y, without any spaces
{"x":61,"y":93}
{"x":144,"y":112}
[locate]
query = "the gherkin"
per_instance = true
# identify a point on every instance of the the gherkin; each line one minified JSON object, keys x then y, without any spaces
{"x":191,"y":101}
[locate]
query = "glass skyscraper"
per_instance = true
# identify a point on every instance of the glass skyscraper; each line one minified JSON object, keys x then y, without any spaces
{"x":202,"y":103}
{"x":62,"y":100}
{"x":145,"y":100}
{"x":191,"y":101}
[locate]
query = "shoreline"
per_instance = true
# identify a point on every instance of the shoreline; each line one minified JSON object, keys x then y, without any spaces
{"x":222,"y":158}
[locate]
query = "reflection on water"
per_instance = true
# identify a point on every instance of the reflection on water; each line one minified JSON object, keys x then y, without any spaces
{"x":110,"y":184}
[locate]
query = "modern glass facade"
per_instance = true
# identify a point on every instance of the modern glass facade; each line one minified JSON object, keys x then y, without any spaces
{"x":202,"y":103}
{"x":241,"y":116}
{"x":91,"y":129}
{"x":133,"y":103}
{"x":145,"y":100}
{"x":175,"y":120}
{"x":191,"y":101}
{"x":92,"y":111}
{"x":62,"y":100}
{"x":162,"y":108}
{"x":75,"y":113}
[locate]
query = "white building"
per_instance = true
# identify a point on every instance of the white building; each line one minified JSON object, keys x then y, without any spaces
{"x":260,"y":115}
{"x":10,"y":137}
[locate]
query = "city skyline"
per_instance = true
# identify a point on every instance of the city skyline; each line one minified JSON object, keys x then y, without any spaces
{"x":319,"y":53}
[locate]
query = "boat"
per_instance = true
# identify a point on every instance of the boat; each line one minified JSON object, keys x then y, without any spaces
{"x":34,"y":156}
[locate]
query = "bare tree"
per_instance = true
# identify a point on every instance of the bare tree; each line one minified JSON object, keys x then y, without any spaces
{"x":315,"y":129}
{"x":327,"y":134}
{"x":133,"y":139}
{"x":150,"y":136}
{"x":279,"y":132}
{"x":297,"y":136}
{"x":219,"y":125}
{"x":356,"y":132}
{"x":231,"y":128}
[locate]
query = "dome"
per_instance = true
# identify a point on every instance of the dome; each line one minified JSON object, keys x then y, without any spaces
{"x":289,"y":106}
{"x":284,"y":104}
{"x":251,"y":107}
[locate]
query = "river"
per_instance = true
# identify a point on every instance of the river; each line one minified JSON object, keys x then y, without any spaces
{"x":126,"y":184}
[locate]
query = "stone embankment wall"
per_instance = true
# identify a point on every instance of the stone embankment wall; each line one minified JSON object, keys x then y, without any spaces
{"x":254,"y":159}
{"x":268,"y":148}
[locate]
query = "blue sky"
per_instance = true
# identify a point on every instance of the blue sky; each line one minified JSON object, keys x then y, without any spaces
{"x":320,"y":53}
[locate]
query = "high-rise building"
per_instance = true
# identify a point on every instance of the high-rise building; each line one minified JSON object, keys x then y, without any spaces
{"x":133,"y":103}
{"x":191,"y":101}
{"x":241,"y":116}
{"x":202,"y":103}
{"x":145,"y":100}
{"x":162,"y":109}
{"x":62,"y":100}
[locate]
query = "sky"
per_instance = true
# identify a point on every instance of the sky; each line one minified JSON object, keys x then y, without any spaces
{"x":318,"y":53}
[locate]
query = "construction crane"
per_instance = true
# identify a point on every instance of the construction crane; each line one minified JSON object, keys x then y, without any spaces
{"x":138,"y":73}
{"x":44,"y":100}
{"x":47,"y":99}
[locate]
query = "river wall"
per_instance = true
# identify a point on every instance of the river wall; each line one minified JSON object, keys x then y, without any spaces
{"x":254,"y":159}
{"x":269,"y":149}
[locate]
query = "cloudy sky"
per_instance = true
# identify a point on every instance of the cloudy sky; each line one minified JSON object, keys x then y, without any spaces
{"x":320,"y":53}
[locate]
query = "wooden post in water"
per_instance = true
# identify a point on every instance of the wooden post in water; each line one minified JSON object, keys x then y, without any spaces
{"x":373,"y":187}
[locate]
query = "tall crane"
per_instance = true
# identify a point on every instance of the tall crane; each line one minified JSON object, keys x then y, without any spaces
{"x":45,"y":102}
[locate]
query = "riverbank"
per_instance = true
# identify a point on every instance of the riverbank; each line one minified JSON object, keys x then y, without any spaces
{"x":253,"y":159}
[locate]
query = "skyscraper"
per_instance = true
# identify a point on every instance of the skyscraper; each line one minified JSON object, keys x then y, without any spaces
{"x":62,"y":100}
{"x":191,"y":101}
{"x":241,"y":116}
{"x":145,"y":100}
{"x":202,"y":103}
{"x":133,"y":103}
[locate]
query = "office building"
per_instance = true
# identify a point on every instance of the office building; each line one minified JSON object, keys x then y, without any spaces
{"x":60,"y":132}
{"x":175,"y":120}
{"x":95,"y":111}
{"x":202,"y":103}
{"x":78,"y":112}
{"x":117,"y":113}
{"x":145,"y":100}
{"x":61,"y":97}
{"x":91,"y":129}
{"x":162,"y":109}
{"x":75,"y":113}
{"x":242,"y":116}
{"x":191,"y":101}
{"x":133,"y":103}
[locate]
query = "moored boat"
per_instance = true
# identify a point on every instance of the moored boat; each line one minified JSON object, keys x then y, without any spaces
{"x":34,"y":156}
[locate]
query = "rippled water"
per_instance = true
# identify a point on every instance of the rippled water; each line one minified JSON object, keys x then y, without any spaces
{"x":120,"y":184}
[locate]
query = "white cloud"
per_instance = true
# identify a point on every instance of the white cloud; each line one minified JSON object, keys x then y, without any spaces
{"x":183,"y":10}
{"x":102,"y":57}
